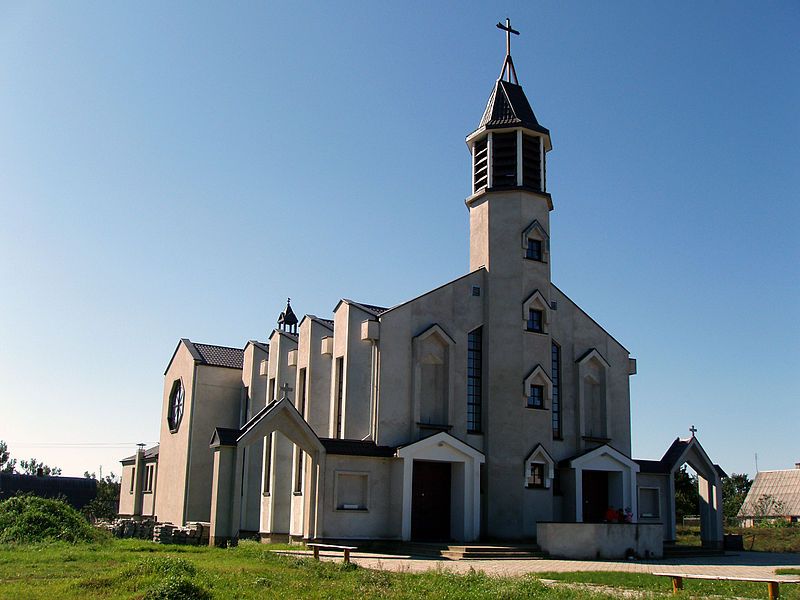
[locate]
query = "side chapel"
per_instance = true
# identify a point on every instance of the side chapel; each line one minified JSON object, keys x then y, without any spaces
{"x":474,"y":411}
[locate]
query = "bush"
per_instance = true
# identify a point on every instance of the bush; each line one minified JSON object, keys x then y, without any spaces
{"x":30,"y":519}
{"x":176,"y":587}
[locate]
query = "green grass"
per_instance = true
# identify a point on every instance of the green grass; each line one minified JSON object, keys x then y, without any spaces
{"x":693,"y":588}
{"x":135,"y":569}
{"x":759,"y":539}
{"x":143,"y":570}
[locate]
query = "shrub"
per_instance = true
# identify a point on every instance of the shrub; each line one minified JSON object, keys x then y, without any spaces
{"x":30,"y":519}
{"x":176,"y":587}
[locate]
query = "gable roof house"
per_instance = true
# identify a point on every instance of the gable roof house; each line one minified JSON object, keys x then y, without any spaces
{"x":774,"y":495}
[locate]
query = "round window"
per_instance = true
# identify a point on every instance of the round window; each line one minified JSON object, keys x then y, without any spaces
{"x":175,"y":412}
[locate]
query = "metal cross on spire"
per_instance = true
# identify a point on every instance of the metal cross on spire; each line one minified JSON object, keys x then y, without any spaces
{"x":508,"y":65}
{"x":692,"y":430}
{"x":286,"y":389}
{"x":507,"y":28}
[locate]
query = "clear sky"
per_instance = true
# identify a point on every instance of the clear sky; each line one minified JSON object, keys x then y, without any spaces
{"x":178,"y":169}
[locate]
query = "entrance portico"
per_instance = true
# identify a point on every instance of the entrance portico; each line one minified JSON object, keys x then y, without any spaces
{"x":427,"y":465}
{"x":228,"y":446}
{"x":602,"y":478}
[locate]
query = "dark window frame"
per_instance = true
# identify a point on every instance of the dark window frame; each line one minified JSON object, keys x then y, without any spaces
{"x":537,"y":474}
{"x":535,"y":250}
{"x":475,"y":381}
{"x":535,"y":396}
{"x":535,"y":323}
{"x":555,"y":392}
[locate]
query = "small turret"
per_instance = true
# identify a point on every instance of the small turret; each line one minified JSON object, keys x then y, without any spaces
{"x":287,"y":321}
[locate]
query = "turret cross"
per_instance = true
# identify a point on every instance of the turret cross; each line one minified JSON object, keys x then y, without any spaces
{"x":286,"y":389}
{"x":509,"y":31}
{"x":693,"y":430}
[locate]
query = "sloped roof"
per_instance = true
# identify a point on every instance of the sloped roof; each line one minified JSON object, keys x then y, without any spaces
{"x":220,"y":356}
{"x":509,"y":107}
{"x":149,"y":454}
{"x":371,"y":308}
{"x":783,"y":486}
{"x":356,"y":447}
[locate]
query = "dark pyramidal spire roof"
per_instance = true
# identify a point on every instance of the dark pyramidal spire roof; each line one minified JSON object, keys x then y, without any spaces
{"x":287,"y":319}
{"x":508,"y":107}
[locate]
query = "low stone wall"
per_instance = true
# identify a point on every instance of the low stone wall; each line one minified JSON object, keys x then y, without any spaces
{"x":601,"y":540}
{"x":162,"y":533}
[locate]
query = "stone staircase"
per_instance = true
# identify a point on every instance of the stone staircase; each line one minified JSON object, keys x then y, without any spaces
{"x":491,"y":552}
{"x":435,"y":550}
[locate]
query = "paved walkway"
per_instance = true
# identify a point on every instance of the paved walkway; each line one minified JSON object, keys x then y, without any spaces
{"x":739,"y":564}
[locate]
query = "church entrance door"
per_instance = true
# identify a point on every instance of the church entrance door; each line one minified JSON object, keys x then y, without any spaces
{"x":595,"y":496}
{"x":430,"y":502}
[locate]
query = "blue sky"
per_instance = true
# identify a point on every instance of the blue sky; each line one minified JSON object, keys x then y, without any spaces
{"x":176,"y":169}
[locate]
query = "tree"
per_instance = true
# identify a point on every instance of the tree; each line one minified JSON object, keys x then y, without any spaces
{"x":687,"y":499}
{"x":32,"y":466}
{"x":7,"y":464}
{"x":104,"y":505}
{"x":26,"y":467}
{"x":734,"y":491}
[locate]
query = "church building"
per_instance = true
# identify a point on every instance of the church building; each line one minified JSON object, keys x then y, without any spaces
{"x":478,"y":410}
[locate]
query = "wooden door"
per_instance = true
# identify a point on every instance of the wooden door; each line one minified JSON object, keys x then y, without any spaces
{"x":430,"y":501}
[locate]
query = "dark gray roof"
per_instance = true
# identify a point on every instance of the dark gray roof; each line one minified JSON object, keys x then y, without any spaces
{"x":220,"y":356}
{"x":651,"y":466}
{"x":149,"y":454}
{"x":375,"y":310}
{"x":356,"y":448}
{"x":508,"y":107}
{"x":327,"y":322}
{"x":224,"y":436}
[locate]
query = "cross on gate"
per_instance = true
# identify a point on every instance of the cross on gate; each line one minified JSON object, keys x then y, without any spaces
{"x":286,"y":389}
{"x":509,"y":31}
{"x":693,"y":430}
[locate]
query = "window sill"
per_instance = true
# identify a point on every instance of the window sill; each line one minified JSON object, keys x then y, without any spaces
{"x":474,"y":432}
{"x":535,"y":407}
{"x":539,"y":260}
{"x":297,"y":493}
{"x":534,"y":331}
{"x":265,"y":494}
{"x":353,"y":510}
{"x":535,"y":487}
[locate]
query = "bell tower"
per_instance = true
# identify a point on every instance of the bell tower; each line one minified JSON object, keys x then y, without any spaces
{"x":509,"y":213}
{"x":508,"y":149}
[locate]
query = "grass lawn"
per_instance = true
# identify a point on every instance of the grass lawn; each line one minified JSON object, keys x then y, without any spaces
{"x":759,"y":539}
{"x":139,"y":569}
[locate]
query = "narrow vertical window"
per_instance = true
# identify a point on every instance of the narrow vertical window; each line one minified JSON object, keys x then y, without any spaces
{"x":271,"y":390}
{"x":555,"y":402}
{"x":339,"y":390}
{"x":474,"y":380}
{"x":268,"y":464}
{"x":133,"y":478}
{"x":298,"y":473}
{"x":301,"y":395}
